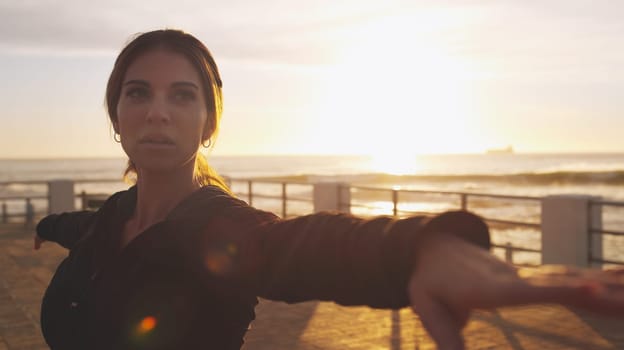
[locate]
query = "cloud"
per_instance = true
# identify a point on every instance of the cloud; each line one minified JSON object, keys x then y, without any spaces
{"x":313,"y":32}
{"x":270,"y":30}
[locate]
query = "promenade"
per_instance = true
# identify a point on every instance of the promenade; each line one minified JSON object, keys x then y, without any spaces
{"x":24,"y":274}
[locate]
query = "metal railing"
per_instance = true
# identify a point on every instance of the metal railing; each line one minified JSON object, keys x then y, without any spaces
{"x":464,"y":204}
{"x":283,"y":196}
{"x":260,"y":191}
{"x":601,"y":232}
{"x":29,"y":213}
{"x":92,"y":200}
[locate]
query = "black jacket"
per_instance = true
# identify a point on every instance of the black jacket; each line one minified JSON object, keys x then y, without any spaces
{"x":191,"y":281}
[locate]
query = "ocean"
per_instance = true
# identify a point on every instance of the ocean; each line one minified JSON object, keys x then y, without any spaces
{"x":535,"y":175}
{"x":517,"y":174}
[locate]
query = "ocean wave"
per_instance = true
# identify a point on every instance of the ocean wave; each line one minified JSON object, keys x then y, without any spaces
{"x":537,"y":178}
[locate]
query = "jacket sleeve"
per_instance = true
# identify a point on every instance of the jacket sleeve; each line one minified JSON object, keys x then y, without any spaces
{"x":65,"y":229}
{"x":337,"y":257}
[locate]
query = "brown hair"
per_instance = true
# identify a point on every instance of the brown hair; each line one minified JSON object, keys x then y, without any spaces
{"x":190,"y":47}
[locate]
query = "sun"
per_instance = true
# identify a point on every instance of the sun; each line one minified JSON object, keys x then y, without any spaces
{"x":396,"y":95}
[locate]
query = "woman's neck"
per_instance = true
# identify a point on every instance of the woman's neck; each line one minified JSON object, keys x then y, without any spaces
{"x":159,"y":193}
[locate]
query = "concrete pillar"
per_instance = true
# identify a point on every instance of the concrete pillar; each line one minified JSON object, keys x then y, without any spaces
{"x":332,"y":196}
{"x":566,"y":220}
{"x":61,"y":196}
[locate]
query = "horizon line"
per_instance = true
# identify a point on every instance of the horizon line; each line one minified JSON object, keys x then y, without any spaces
{"x":242,"y":155}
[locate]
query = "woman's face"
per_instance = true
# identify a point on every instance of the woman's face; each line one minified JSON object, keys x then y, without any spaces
{"x":161,"y":113}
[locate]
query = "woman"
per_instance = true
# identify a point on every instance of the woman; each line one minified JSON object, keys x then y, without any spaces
{"x":177,"y":262}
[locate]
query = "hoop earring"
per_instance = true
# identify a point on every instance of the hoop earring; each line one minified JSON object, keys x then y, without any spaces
{"x":207,"y":145}
{"x":117,"y":137}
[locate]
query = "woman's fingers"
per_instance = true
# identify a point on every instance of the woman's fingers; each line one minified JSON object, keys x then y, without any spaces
{"x":595,"y":290}
{"x":452,"y":278}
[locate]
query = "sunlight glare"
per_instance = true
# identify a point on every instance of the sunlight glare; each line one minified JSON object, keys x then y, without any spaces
{"x":394,"y":163}
{"x":401,"y":95}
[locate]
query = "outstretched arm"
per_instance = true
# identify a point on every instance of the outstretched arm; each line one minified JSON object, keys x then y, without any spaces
{"x":325,"y":256}
{"x":65,"y":229}
{"x":451,"y":278}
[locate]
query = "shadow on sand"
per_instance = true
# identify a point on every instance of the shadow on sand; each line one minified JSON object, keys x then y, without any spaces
{"x":515,"y":332}
{"x":278,"y":325}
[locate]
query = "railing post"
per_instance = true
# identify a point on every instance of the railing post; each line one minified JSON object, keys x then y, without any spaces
{"x":61,"y":196}
{"x":250,"y":192}
{"x":395,"y":201}
{"x":464,"y":201}
{"x":509,"y":252}
{"x":565,"y":229}
{"x":29,"y":214}
{"x":83,"y":199}
{"x":332,"y":196}
{"x":5,"y":215}
{"x":284,"y":201}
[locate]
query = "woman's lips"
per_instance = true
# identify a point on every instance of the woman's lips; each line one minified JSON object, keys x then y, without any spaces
{"x":156,"y":141}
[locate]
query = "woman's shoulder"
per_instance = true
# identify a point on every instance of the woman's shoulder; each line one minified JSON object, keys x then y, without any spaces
{"x":211,"y":202}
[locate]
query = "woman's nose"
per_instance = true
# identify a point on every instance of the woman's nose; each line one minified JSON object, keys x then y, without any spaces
{"x":158,"y":111}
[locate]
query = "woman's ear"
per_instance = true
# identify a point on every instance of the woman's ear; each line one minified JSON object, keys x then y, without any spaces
{"x":115,"y":126}
{"x":208,"y":131}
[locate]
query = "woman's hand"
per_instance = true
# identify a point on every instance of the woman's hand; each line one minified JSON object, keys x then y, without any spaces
{"x":38,"y":241}
{"x":453,"y":277}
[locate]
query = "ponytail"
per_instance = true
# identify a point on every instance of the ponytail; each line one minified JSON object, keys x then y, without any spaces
{"x":204,"y":174}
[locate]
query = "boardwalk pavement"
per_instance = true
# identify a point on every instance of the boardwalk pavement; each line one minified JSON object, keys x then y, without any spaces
{"x":24,"y":274}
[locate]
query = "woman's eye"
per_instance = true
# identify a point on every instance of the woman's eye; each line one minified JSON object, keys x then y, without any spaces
{"x":184,"y":95}
{"x":137,"y":93}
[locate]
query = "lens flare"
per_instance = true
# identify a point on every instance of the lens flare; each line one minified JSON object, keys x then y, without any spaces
{"x":218,"y":263}
{"x":220,"y":260}
{"x":147,"y":324}
{"x":231,"y":249}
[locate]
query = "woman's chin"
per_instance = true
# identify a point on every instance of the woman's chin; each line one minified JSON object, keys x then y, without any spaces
{"x":162,"y":163}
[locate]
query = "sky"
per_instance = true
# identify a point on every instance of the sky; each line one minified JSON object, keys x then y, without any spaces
{"x":374,"y":77}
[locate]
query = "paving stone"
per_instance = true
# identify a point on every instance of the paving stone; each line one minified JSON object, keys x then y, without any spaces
{"x":23,"y":337}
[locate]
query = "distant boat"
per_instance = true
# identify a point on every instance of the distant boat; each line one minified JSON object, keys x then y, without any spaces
{"x":506,"y":150}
